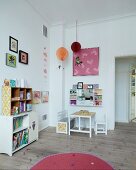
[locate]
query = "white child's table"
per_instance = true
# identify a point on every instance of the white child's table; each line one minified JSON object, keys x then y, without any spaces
{"x":77,"y":117}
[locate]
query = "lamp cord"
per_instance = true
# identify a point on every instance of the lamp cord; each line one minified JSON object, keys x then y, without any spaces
{"x":76,"y":30}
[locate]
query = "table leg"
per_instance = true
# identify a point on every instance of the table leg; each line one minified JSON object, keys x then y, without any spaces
{"x":69,"y":125}
{"x":90,"y":127}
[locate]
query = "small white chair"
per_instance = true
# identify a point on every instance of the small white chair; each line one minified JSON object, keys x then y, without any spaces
{"x":101,"y":126}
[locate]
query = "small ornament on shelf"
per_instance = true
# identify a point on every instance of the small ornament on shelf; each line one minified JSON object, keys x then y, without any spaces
{"x":12,"y":83}
{"x":6,"y":82}
{"x":14,"y":110}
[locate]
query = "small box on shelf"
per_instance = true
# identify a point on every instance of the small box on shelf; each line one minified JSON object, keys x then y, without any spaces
{"x":12,"y":83}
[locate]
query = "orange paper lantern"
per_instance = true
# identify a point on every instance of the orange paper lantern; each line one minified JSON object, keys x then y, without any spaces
{"x":62,"y":53}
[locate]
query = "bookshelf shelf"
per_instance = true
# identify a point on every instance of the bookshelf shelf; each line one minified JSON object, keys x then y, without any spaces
{"x":20,"y":129}
{"x":21,"y":114}
{"x":24,"y":145}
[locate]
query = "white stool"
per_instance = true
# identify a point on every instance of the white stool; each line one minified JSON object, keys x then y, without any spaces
{"x":101,"y":126}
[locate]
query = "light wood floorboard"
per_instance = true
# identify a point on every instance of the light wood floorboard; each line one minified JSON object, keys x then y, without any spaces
{"x":118,"y":148}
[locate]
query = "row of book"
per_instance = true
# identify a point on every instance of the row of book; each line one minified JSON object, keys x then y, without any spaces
{"x":25,"y":107}
{"x":20,"y":139}
{"x":22,"y":108}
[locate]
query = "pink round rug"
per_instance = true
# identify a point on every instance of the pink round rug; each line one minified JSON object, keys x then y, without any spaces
{"x":72,"y":161}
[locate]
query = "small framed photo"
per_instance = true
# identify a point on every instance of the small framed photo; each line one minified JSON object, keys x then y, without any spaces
{"x":80,"y":85}
{"x":10,"y":60}
{"x":36,"y":97}
{"x":44,"y":96}
{"x":23,"y":57}
{"x":90,"y":86}
{"x":13,"y":44}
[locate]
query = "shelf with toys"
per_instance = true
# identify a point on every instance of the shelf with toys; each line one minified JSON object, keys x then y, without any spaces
{"x":18,"y":121}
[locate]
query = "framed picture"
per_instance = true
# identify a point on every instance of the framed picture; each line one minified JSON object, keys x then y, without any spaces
{"x":90,"y":86}
{"x":86,"y":62}
{"x":36,"y":97}
{"x":23,"y":57}
{"x":80,"y":85}
{"x":44,"y":96}
{"x":13,"y":44}
{"x":10,"y":60}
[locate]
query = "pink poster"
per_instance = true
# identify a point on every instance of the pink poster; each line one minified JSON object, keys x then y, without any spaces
{"x":86,"y":62}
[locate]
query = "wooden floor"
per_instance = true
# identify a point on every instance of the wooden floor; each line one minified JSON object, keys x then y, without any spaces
{"x":118,"y":148}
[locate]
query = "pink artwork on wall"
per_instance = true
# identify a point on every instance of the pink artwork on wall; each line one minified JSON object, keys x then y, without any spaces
{"x":86,"y":62}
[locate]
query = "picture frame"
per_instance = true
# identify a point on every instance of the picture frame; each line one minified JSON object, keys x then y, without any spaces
{"x":10,"y":60}
{"x":36,"y":97}
{"x":86,"y":62}
{"x":44,"y":96}
{"x":80,"y":85}
{"x":23,"y":57}
{"x":90,"y":86}
{"x":13,"y":44}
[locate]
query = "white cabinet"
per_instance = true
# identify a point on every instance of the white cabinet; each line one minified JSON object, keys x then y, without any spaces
{"x":17,"y":131}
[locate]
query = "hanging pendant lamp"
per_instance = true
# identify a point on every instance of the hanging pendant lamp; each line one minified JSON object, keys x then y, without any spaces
{"x":75,"y":46}
{"x":62,"y":53}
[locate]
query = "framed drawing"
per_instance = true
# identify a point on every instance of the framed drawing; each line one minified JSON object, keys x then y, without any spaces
{"x":13,"y":44}
{"x":80,"y":85}
{"x":90,"y":86}
{"x":10,"y":60}
{"x":86,"y":62}
{"x":36,"y":97}
{"x":44,"y":96}
{"x":23,"y":57}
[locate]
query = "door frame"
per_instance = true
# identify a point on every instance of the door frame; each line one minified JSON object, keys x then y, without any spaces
{"x":122,"y":57}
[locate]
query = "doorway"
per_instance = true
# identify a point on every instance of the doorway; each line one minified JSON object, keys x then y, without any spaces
{"x":124,"y":98}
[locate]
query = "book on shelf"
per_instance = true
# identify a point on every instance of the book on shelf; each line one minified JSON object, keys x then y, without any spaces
{"x":21,"y":95}
{"x":17,"y":122}
{"x":22,"y":106}
{"x":28,"y":107}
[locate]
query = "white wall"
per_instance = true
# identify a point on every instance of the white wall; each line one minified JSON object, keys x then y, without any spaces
{"x":56,"y":74}
{"x":122,"y":88}
{"x":115,"y":38}
{"x":20,"y":21}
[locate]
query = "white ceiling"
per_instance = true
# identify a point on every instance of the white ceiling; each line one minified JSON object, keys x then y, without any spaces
{"x":68,"y":11}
